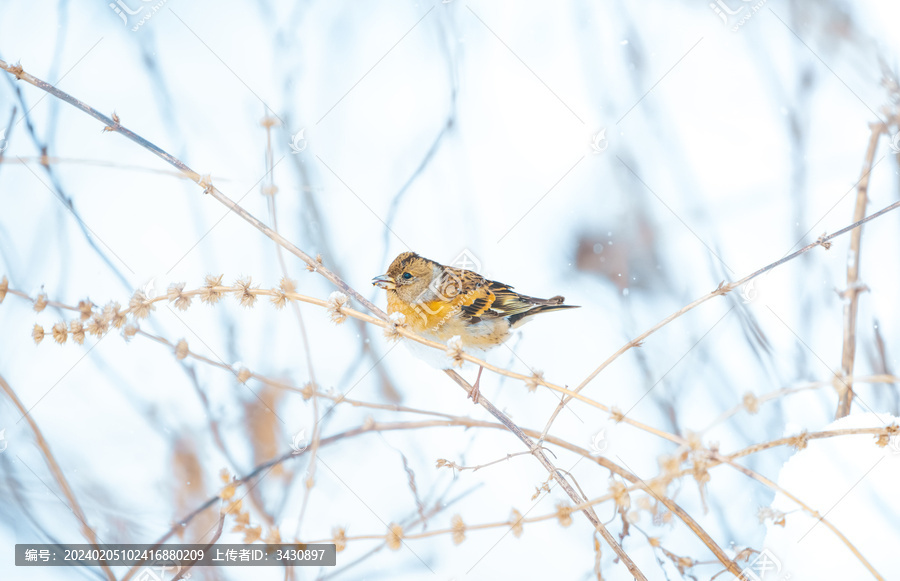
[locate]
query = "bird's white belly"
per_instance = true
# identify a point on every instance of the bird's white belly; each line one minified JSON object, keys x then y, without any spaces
{"x":439,"y":359}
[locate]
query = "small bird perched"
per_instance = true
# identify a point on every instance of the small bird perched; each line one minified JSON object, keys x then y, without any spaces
{"x":442,"y":303}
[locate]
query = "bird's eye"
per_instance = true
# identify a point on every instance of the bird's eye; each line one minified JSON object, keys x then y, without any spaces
{"x":407,"y":276}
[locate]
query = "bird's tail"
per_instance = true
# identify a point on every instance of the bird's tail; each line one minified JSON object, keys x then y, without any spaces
{"x":541,"y":306}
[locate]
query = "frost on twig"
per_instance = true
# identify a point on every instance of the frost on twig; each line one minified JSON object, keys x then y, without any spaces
{"x":336,"y":302}
{"x":397,"y":320}
{"x":454,"y":350}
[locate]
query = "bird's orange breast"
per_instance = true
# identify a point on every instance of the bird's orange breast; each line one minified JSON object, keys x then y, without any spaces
{"x":421,"y":316}
{"x":440,"y":320}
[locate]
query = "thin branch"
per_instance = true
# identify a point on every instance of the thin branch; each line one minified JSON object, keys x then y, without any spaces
{"x":807,"y":508}
{"x":183,"y":570}
{"x":538,"y":453}
{"x":58,"y":475}
{"x":886,"y":433}
{"x":721,"y":290}
{"x":270,"y":193}
{"x":447,"y":463}
{"x":851,"y":293}
{"x":48,"y":160}
{"x":754,"y":401}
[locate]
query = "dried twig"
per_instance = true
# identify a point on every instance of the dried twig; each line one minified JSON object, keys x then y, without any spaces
{"x":58,"y":475}
{"x":538,"y":453}
{"x":721,"y":290}
{"x":805,"y":507}
{"x":449,"y":464}
{"x":183,"y":570}
{"x":851,"y":293}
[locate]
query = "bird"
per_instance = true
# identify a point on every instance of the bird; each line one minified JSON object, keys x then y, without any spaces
{"x":444,"y":302}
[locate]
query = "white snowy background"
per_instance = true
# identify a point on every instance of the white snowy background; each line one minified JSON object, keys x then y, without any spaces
{"x":629,"y":156}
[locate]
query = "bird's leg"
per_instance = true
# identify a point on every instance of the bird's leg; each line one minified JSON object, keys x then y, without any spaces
{"x":475,"y":393}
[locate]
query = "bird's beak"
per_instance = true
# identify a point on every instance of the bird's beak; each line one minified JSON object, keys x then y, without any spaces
{"x":384,"y":281}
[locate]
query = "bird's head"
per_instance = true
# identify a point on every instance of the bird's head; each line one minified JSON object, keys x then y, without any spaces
{"x":409,"y":276}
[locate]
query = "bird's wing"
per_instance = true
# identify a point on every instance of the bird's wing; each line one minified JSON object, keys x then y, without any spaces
{"x":479,"y":298}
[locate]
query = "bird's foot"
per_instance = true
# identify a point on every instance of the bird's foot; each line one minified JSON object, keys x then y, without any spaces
{"x":476,"y":393}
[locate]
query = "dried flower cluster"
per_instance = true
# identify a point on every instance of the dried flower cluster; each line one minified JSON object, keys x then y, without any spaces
{"x":454,"y":350}
{"x":751,"y":403}
{"x":181,"y":349}
{"x":459,"y":529}
{"x":318,"y":263}
{"x":336,"y":302}
{"x":205,"y":182}
{"x":564,"y":514}
{"x":86,"y":308}
{"x":235,"y":508}
{"x":77,"y":331}
{"x":534,"y":381}
{"x":285,"y":287}
{"x":60,"y":332}
{"x":397,"y":320}
{"x":394,"y":537}
{"x":800,"y":440}
{"x":339,"y":538}
{"x":141,"y":305}
{"x":515,"y":523}
{"x":308,"y":390}
{"x":175,"y":294}
{"x":244,"y":292}
{"x":620,"y":494}
{"x":212,"y":289}
{"x":37,"y":333}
